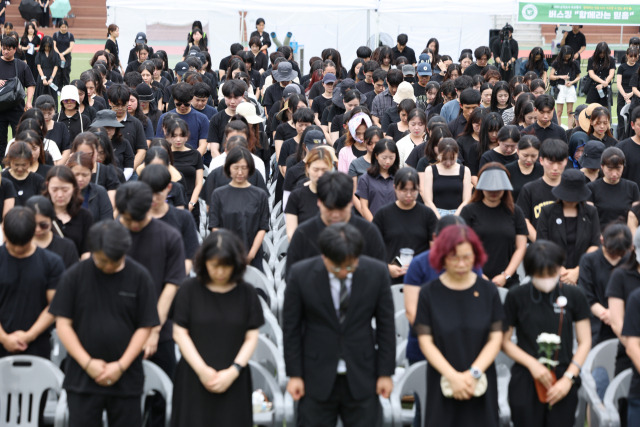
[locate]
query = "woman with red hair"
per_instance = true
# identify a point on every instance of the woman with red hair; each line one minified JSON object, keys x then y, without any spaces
{"x":459,"y":327}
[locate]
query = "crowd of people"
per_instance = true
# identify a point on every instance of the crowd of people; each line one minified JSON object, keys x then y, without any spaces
{"x":134,"y":197}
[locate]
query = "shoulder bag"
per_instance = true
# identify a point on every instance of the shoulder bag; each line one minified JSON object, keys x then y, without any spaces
{"x":12,"y":91}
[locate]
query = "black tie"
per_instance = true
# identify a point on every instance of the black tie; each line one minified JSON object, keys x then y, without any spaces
{"x":344,"y":299}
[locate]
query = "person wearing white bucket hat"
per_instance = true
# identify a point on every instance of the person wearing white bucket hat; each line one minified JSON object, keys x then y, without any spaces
{"x":69,"y":114}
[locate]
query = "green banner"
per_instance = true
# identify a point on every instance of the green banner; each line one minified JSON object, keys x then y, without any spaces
{"x":572,"y":13}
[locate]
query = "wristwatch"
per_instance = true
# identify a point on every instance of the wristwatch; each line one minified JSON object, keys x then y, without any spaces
{"x":191,"y":204}
{"x":506,"y":276}
{"x":570,"y":376}
{"x":238,"y":366}
{"x":475,"y":372}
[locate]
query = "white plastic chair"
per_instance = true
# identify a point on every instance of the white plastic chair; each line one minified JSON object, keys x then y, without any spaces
{"x":413,"y":381}
{"x":23,"y":382}
{"x":271,"y":328}
{"x":258,"y":280}
{"x":270,"y":357}
{"x":503,"y":364}
{"x":157,"y":381}
{"x":602,"y":355}
{"x":282,"y":404}
{"x":402,"y":326}
{"x":397,"y":292}
{"x":618,"y":389}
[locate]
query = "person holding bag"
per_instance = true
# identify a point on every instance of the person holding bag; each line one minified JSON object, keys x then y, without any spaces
{"x":539,"y":395}
{"x":460,"y":350}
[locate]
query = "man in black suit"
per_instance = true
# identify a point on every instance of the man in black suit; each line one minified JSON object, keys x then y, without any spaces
{"x":335,"y":193}
{"x":332,"y":361}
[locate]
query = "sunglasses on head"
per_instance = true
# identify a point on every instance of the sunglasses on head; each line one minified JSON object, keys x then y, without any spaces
{"x":181,"y":104}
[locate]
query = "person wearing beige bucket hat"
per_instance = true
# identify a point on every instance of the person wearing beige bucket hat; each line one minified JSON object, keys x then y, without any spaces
{"x":595,"y":121}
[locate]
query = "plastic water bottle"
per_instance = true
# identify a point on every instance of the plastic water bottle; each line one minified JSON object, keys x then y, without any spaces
{"x":601,"y":93}
{"x":63,"y":63}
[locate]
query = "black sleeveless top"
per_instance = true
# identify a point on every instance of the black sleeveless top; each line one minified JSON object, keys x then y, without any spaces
{"x":447,"y":189}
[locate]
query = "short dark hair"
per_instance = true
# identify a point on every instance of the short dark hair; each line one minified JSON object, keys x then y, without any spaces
{"x":340,"y":242}
{"x":402,"y":39}
{"x":529,"y":141}
{"x":235,"y":48}
{"x":236,"y":141}
{"x":8,"y":41}
{"x":201,"y":90}
{"x":543,"y":257}
{"x":227,"y":248}
{"x":45,"y":102}
{"x":617,"y":239}
{"x":370,"y":66}
{"x":613,"y":157}
{"x":448,"y":220}
{"x":335,"y":190}
{"x":134,"y":198}
{"x":555,"y":150}
{"x":379,"y":75}
{"x":131,"y":80}
{"x":303,"y":115}
{"x":111,"y":238}
{"x":182,"y":92}
{"x":363,"y":52}
{"x":544,"y":101}
{"x":394,"y":77}
{"x":19,"y":225}
{"x":157,"y":177}
{"x":259,"y":21}
{"x":469,"y":96}
{"x":234,"y":88}
{"x":42,"y":206}
{"x":462,"y":83}
{"x":194,"y":62}
{"x":119,"y":94}
{"x":404,"y":176}
{"x":482,"y":51}
{"x":234,"y":156}
{"x":635,"y":114}
{"x":254,"y":41}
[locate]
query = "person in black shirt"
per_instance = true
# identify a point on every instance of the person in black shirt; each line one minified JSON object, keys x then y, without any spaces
{"x":10,"y":68}
{"x":159,"y":179}
{"x":598,"y":122}
{"x":544,"y":128}
{"x":335,"y":195}
{"x":526,"y":168}
{"x":159,"y":248}
{"x":631,"y":149}
{"x":505,"y":52}
{"x":613,"y":195}
{"x":233,"y":92}
{"x":536,"y":194}
{"x":595,"y":270}
{"x":626,"y":73}
{"x":27,"y":286}
{"x":601,"y":68}
{"x":104,"y":344}
{"x":482,"y":55}
{"x":576,"y":40}
{"x":545,"y":305}
{"x":25,"y":183}
{"x":401,"y":49}
{"x":631,"y":331}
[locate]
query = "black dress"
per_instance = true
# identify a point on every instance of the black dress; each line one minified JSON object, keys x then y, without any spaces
{"x":47,"y":63}
{"x":217,"y":324}
{"x":460,"y":339}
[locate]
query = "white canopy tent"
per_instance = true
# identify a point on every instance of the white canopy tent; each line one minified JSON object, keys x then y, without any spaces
{"x":342,"y":25}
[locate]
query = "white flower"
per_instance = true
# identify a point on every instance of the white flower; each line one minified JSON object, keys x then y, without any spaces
{"x":547,"y":338}
{"x":548,"y":362}
{"x":562,"y":301}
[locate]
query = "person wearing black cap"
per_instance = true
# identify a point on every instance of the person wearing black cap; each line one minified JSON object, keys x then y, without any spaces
{"x":500,"y":224}
{"x":141,"y":39}
{"x":284,"y":76}
{"x":590,"y":160}
{"x":613,"y":195}
{"x":147,"y":104}
{"x":571,"y":223}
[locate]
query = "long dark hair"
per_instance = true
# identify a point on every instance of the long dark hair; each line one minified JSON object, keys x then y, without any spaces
{"x":46,"y":41}
{"x":501,"y":85}
{"x":533,"y":65}
{"x":436,"y":134}
{"x":491,"y":123}
{"x":476,"y":116}
{"x":65,"y":174}
{"x":381,"y":146}
{"x":600,"y":64}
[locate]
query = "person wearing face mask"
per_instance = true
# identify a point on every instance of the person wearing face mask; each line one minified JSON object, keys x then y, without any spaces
{"x":544,"y":305}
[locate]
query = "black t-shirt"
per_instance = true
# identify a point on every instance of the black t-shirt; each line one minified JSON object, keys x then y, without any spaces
{"x":364,"y":87}
{"x":337,"y":124}
{"x":498,"y":229}
{"x":76,"y":124}
{"x":576,"y":41}
{"x":562,"y":68}
{"x":217,"y":179}
{"x":32,"y":185}
{"x":405,"y":228}
{"x":133,"y":131}
{"x":296,"y":174}
{"x":533,"y":196}
{"x":188,"y":163}
{"x":24,"y":283}
{"x":106,"y":176}
{"x":63,"y":41}
{"x":77,"y":229}
{"x":469,"y":151}
{"x":65,"y":248}
{"x":416,"y":154}
{"x":494,"y":156}
{"x":7,"y":191}
{"x":518,"y":179}
{"x":285,"y":131}
{"x":123,"y":153}
{"x":393,"y":132}
{"x":631,"y":152}
{"x":473,"y":70}
{"x":112,"y":47}
{"x":613,"y":201}
{"x":106,"y":310}
{"x":552,"y":131}
{"x":304,"y":243}
{"x":407,"y":52}
{"x":316,"y":90}
{"x":182,"y":220}
{"x":8,"y":71}
{"x":159,"y":248}
{"x":622,"y":283}
{"x":631,"y":328}
{"x":60,"y":135}
{"x":319,"y":104}
{"x":303,"y":203}
{"x":627,"y":73}
{"x":602,"y":72}
{"x":532,"y":316}
{"x":216,"y":127}
{"x":289,"y":147}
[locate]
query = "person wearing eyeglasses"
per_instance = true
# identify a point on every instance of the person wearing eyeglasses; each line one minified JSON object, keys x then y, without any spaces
{"x":337,"y":363}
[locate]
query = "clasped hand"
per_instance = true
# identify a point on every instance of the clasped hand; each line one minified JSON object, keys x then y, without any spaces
{"x":103,"y":373}
{"x":218,"y":381}
{"x":463,"y":385}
